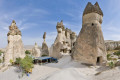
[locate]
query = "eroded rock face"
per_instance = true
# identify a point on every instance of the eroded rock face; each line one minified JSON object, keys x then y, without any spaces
{"x":90,"y":47}
{"x":56,"y":50}
{"x":64,"y":41}
{"x":36,"y":51}
{"x":73,"y":39}
{"x":15,"y":48}
{"x":112,"y":45}
{"x":13,"y":29}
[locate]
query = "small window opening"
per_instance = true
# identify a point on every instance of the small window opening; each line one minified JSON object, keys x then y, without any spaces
{"x":98,"y":59}
{"x":92,"y":24}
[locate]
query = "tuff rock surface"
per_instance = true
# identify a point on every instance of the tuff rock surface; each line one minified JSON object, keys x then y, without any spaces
{"x":64,"y":41}
{"x":36,"y":51}
{"x":45,"y":50}
{"x":90,"y":47}
{"x":15,"y":47}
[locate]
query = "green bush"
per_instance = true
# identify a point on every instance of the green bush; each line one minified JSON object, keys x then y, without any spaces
{"x":0,"y":61}
{"x":27,"y":52}
{"x":11,"y":61}
{"x":26,"y":63}
{"x":112,"y":64}
{"x":18,"y":60}
{"x":108,"y":56}
{"x":117,"y":53}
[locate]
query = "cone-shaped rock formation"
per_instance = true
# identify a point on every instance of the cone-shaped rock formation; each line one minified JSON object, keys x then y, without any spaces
{"x":90,"y":47}
{"x":15,"y":48}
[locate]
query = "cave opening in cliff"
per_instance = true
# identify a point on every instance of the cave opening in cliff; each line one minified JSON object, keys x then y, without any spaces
{"x":98,"y":60}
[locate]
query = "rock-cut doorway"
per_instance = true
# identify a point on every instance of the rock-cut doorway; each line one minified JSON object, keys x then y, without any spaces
{"x":99,"y":59}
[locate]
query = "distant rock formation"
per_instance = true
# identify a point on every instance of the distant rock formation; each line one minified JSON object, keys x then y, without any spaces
{"x":36,"y":51}
{"x":90,"y":47}
{"x":64,"y":41}
{"x":112,"y":45}
{"x":45,"y":50}
{"x":15,"y":48}
{"x":44,"y":36}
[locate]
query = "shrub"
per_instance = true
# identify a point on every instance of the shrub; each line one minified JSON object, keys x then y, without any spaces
{"x":0,"y":61}
{"x":117,"y":53}
{"x":26,"y":63}
{"x":112,"y":64}
{"x":18,"y":60}
{"x":108,"y":56}
{"x":27,"y":52}
{"x":11,"y":61}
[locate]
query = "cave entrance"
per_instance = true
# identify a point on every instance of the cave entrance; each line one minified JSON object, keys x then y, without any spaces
{"x":99,"y":59}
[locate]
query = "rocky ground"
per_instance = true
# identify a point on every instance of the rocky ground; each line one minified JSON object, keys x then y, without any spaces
{"x":66,"y":69}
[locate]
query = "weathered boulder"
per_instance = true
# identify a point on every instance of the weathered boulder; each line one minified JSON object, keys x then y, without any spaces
{"x":15,"y":48}
{"x":36,"y":51}
{"x":90,"y":47}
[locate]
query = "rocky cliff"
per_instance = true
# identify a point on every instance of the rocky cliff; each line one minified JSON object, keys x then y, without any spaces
{"x":112,"y":45}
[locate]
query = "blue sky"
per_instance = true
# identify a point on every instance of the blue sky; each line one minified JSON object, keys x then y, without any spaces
{"x":34,"y":17}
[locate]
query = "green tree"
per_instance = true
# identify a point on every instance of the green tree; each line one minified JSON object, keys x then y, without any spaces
{"x":27,"y":52}
{"x":26,"y":63}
